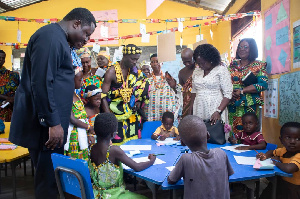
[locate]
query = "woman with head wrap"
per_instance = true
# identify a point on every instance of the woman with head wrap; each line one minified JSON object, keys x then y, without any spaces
{"x":88,"y":78}
{"x":103,"y":60}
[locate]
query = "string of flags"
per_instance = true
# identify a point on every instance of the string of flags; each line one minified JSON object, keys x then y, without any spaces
{"x":215,"y":16}
{"x":174,"y":29}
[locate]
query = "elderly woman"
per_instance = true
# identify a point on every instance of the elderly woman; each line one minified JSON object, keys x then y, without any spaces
{"x":88,"y":77}
{"x":165,"y":94}
{"x":211,"y":85}
{"x":246,"y":93}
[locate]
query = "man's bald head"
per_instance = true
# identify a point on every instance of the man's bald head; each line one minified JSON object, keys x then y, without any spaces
{"x":187,"y":57}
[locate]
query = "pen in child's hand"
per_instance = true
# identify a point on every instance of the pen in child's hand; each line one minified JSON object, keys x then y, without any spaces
{"x":158,"y":154}
{"x":255,"y":151}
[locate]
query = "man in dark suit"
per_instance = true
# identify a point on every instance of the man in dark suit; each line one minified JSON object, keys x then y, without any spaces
{"x":43,"y":100}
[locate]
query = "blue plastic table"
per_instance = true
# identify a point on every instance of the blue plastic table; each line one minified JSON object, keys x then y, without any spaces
{"x":241,"y":172}
{"x":156,"y":174}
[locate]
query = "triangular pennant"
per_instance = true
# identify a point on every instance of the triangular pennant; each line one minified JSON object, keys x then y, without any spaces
{"x":151,"y":5}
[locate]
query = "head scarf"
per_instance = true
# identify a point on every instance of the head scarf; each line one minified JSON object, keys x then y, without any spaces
{"x":91,"y":91}
{"x":105,"y":54}
{"x":84,"y":52}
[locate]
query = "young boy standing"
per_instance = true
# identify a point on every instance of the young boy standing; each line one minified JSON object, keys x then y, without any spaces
{"x":205,"y":172}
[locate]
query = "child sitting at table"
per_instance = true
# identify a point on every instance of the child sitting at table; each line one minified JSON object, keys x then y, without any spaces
{"x":250,"y":135}
{"x":106,"y":160}
{"x":287,"y":159}
{"x":166,"y":129}
{"x":205,"y":172}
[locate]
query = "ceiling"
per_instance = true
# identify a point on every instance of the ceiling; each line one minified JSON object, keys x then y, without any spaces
{"x":9,"y":5}
{"x":219,"y":6}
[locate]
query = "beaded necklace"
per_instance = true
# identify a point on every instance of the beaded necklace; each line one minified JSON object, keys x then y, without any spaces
{"x":125,"y":91}
{"x":161,"y":82}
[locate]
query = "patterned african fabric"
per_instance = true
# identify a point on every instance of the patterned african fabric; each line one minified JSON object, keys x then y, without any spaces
{"x":130,"y":123}
{"x":76,"y":61}
{"x":248,"y":102}
{"x":163,"y":98}
{"x":107,"y":180}
{"x":74,"y":148}
{"x":187,"y":89}
{"x":92,"y":80}
{"x":9,"y":82}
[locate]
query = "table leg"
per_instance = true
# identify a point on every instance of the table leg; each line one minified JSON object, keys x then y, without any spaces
{"x":152,"y":187}
{"x":24,"y":161}
{"x":13,"y":169}
{"x":273,"y":180}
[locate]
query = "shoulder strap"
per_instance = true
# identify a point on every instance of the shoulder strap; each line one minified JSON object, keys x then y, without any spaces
{"x":107,"y":153}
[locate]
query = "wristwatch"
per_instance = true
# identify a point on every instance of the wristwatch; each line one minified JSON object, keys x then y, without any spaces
{"x":219,"y":111}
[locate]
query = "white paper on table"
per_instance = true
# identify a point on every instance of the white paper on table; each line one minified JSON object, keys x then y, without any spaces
{"x":96,"y":48}
{"x":145,"y":38}
{"x":144,"y":159}
{"x":232,"y":148}
{"x":170,"y":168}
{"x":135,"y":152}
{"x":168,"y":141}
{"x":250,"y":160}
{"x":135,"y":147}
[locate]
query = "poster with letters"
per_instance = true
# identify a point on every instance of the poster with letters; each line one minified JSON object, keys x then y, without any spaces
{"x":271,"y":99}
{"x":289,"y":96}
{"x":277,"y":38}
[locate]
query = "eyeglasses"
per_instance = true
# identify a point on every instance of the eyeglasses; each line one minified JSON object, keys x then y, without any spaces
{"x":243,"y":47}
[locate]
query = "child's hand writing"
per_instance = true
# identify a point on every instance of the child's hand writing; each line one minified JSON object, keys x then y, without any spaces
{"x":162,"y":137}
{"x":242,"y":148}
{"x":176,"y":138}
{"x":232,"y":140}
{"x":152,"y":158}
{"x":261,"y":156}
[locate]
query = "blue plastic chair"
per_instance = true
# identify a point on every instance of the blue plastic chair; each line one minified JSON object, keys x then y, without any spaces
{"x":271,"y":146}
{"x":149,"y":128}
{"x":72,"y":176}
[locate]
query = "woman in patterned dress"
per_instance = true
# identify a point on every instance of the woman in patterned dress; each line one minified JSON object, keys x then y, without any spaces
{"x":79,"y":128}
{"x":88,"y":78}
{"x":212,"y":87}
{"x":246,"y":98}
{"x":9,"y":82}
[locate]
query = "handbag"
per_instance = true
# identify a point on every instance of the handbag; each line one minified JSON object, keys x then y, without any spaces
{"x":216,"y":131}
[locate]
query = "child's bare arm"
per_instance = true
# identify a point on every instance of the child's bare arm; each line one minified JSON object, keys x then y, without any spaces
{"x":77,"y":122}
{"x":121,"y":156}
{"x":259,"y":146}
{"x":287,"y":167}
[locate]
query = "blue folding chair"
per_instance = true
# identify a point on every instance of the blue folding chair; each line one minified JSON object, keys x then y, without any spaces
{"x":149,"y":128}
{"x":271,"y":146}
{"x":72,"y":176}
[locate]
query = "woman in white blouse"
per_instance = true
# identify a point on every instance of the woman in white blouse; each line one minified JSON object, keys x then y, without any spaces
{"x":211,"y":87}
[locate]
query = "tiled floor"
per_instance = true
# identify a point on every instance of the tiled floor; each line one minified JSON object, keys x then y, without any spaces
{"x":25,"y":188}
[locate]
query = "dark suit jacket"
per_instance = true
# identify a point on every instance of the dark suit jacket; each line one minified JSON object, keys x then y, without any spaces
{"x":44,"y":97}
